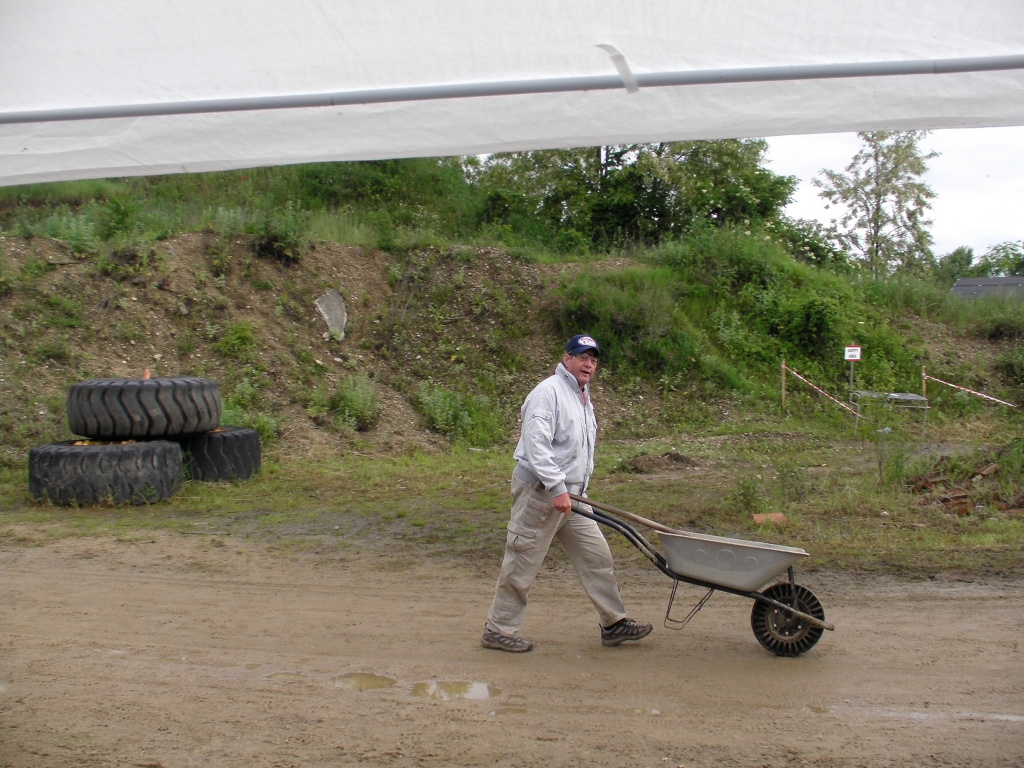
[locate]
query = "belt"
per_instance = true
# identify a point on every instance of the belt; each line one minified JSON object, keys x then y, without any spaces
{"x":527,"y":476}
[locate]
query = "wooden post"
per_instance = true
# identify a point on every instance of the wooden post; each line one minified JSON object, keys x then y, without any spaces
{"x":924,"y":383}
{"x":783,"y":383}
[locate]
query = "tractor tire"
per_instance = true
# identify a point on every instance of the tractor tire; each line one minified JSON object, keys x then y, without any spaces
{"x":143,"y":409}
{"x":225,"y":453}
{"x":77,"y":473}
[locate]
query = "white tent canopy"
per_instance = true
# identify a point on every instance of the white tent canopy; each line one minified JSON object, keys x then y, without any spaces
{"x":100,"y":88}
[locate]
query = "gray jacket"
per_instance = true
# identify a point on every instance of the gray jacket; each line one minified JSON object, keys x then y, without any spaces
{"x":559,"y":432}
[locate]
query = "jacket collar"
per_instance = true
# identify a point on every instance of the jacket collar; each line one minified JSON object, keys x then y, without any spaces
{"x":569,"y":379}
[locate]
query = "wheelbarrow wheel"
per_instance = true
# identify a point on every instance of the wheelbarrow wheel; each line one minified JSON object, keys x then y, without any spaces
{"x":779,"y":631}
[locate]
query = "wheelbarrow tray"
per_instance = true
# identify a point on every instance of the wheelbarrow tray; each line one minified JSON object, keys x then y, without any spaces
{"x":732,"y":563}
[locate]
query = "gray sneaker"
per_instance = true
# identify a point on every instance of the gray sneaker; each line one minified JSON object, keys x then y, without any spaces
{"x":623,"y":630}
{"x":508,"y":643}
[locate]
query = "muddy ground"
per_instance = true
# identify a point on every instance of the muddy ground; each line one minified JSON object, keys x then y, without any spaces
{"x":177,"y":650}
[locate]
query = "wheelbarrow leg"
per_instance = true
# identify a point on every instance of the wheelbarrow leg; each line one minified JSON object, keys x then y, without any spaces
{"x":671,"y":623}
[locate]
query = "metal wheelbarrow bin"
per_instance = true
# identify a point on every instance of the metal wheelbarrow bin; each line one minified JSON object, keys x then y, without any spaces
{"x":787,"y":618}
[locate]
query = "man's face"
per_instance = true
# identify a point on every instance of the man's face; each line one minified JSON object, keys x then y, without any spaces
{"x":582,"y":367}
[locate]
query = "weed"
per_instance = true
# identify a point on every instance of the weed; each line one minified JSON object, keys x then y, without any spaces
{"x":794,"y":483}
{"x":62,"y":312}
{"x":6,"y":279}
{"x":185,"y":343}
{"x":228,"y":223}
{"x":238,"y":341}
{"x":218,"y":255}
{"x":892,"y":450}
{"x":1011,"y":365}
{"x":33,"y":268}
{"x":57,"y":351}
{"x":279,"y":236}
{"x":81,"y":238}
{"x":118,"y":217}
{"x":125,"y":259}
{"x":242,"y":403}
{"x":748,"y":496}
{"x":356,"y":403}
{"x":352,"y":405}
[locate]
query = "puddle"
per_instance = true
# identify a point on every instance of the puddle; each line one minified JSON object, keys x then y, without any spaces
{"x":361,"y":681}
{"x":253,"y":666}
{"x":288,"y":677}
{"x":448,"y":690}
{"x":819,"y":710}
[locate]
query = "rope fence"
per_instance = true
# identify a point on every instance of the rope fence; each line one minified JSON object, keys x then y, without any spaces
{"x":924,"y":391}
{"x":814,"y":387}
{"x":924,"y":386}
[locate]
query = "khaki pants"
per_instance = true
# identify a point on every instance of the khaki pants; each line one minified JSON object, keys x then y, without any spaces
{"x":533,"y":525}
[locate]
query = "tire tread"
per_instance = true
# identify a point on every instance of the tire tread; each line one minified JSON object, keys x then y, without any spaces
{"x":227,"y":453}
{"x":143,"y":409}
{"x":137,"y":473}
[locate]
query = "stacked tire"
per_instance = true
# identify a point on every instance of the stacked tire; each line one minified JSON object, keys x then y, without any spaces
{"x":142,"y":437}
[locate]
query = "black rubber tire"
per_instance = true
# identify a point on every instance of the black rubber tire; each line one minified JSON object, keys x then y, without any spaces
{"x":105,"y":473}
{"x":143,"y":409}
{"x":780,"y":632}
{"x":226,"y":453}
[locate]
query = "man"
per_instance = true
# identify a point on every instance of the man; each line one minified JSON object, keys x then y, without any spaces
{"x":555,"y":457}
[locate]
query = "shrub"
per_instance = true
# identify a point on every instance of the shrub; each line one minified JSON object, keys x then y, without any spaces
{"x":355,"y":403}
{"x":80,"y":236}
{"x":748,"y":496}
{"x":463,"y":418}
{"x":632,"y":314}
{"x":228,"y":222}
{"x":240,"y":406}
{"x":125,"y":259}
{"x":264,"y":424}
{"x":57,"y":351}
{"x":1011,"y":365}
{"x":118,"y":217}
{"x":280,"y":236}
{"x":1002,"y":325}
{"x":726,"y":259}
{"x":812,"y":325}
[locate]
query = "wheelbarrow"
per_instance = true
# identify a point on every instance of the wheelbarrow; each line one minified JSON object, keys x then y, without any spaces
{"x":787,"y":618}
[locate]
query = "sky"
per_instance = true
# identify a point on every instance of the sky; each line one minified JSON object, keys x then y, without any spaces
{"x":978,"y":179}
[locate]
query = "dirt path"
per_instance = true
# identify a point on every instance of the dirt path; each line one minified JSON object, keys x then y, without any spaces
{"x":174,"y":652}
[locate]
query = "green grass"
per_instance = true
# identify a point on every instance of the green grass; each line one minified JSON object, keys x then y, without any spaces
{"x":455,"y":506}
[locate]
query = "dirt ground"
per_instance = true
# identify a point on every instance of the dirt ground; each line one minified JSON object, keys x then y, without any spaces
{"x":183,"y":650}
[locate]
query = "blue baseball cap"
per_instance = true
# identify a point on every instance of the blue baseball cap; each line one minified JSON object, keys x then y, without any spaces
{"x":581,"y":343}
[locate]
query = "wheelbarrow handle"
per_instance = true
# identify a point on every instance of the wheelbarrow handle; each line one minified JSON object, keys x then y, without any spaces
{"x":653,"y":524}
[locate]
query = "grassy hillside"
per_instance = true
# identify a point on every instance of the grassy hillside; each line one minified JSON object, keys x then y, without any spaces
{"x":444,"y":340}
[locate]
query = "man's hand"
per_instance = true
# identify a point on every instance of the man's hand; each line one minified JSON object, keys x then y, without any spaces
{"x":563,"y":504}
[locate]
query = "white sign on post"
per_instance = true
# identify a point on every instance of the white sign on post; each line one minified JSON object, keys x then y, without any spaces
{"x":852,"y":353}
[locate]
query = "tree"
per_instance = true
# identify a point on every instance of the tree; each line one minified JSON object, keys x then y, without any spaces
{"x":634,"y":193}
{"x":723,"y":182}
{"x":954,"y":265}
{"x":1003,"y":260}
{"x":884,"y":201}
